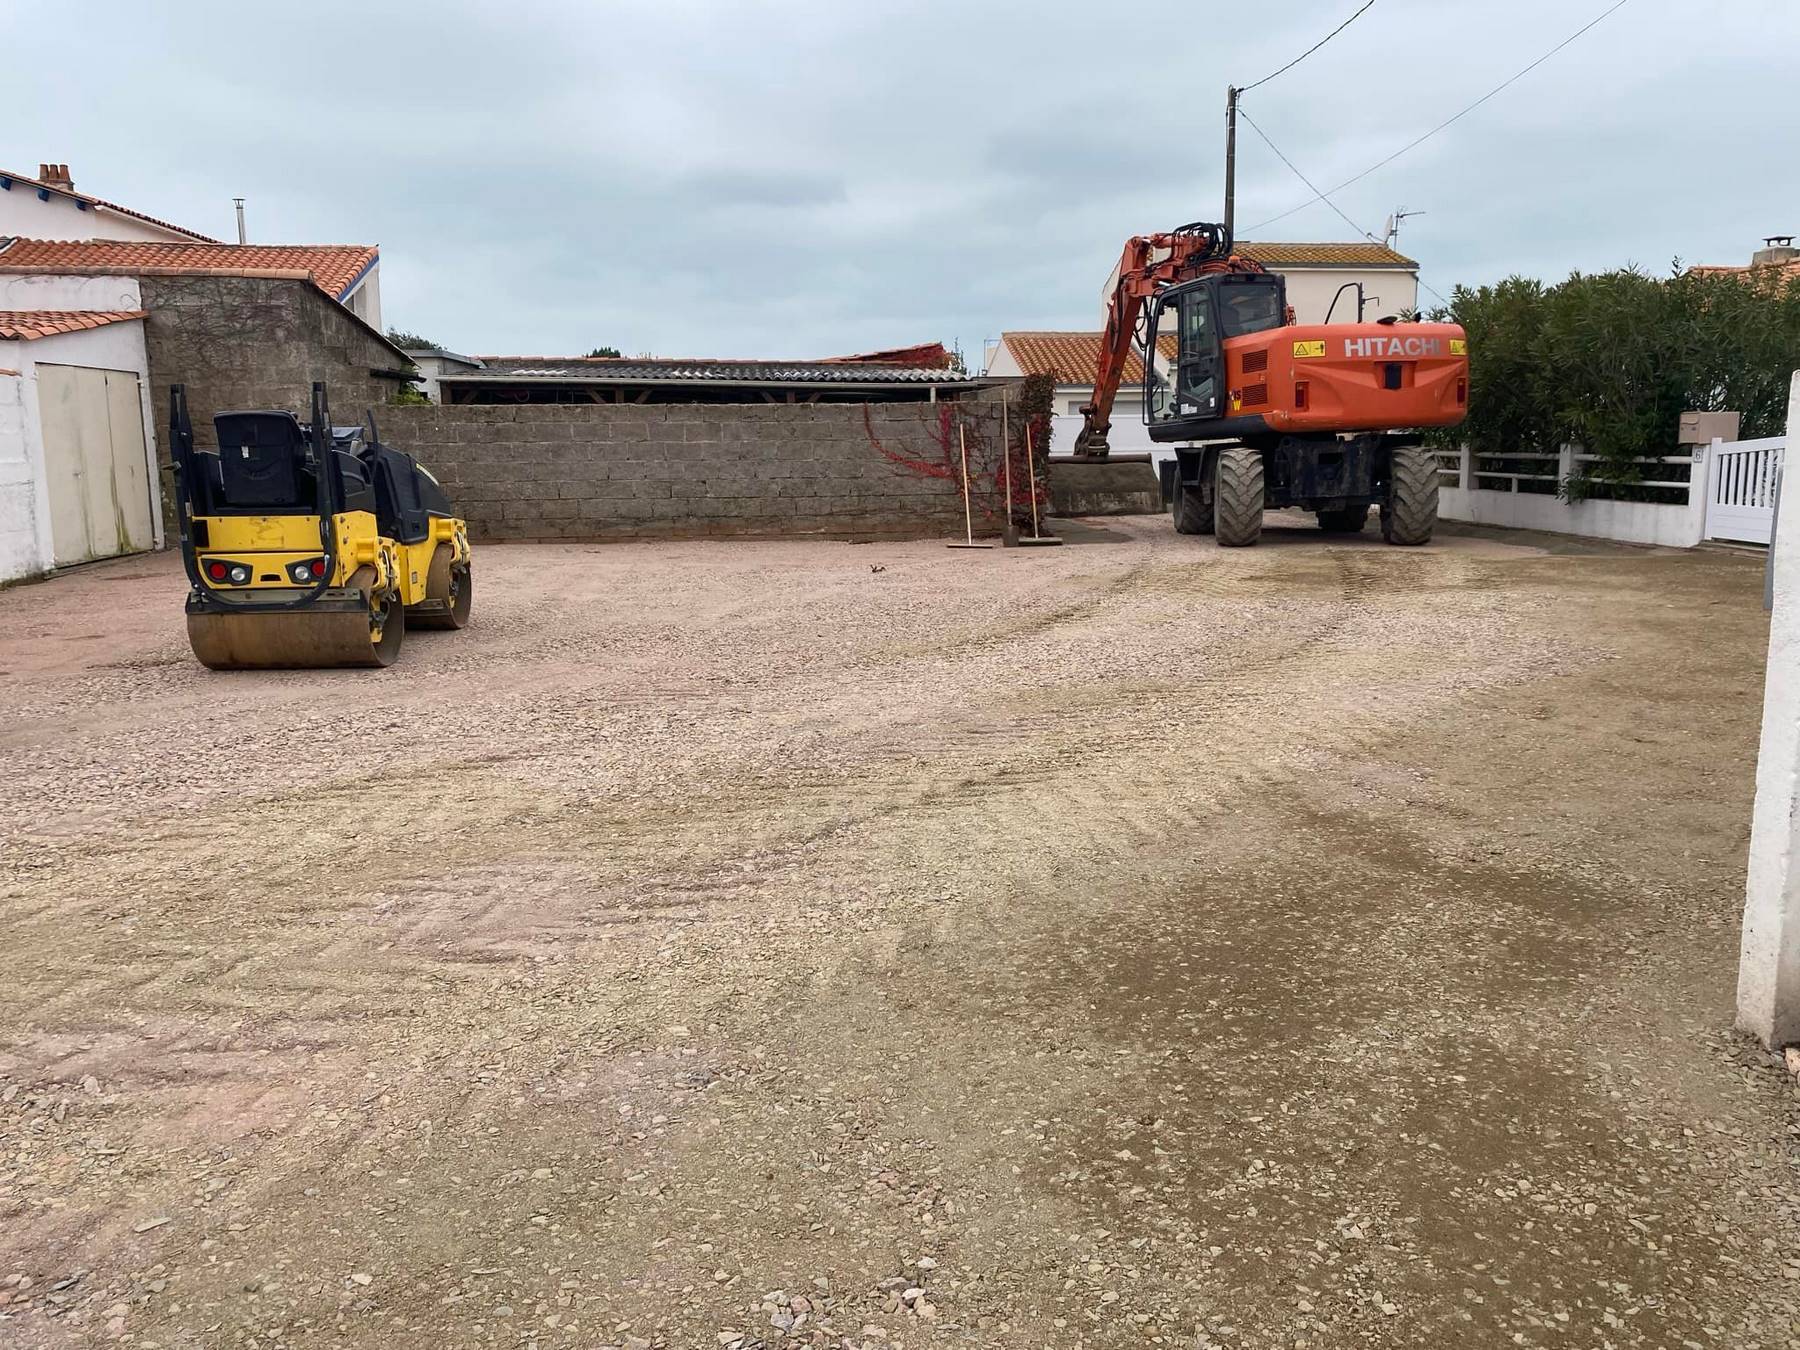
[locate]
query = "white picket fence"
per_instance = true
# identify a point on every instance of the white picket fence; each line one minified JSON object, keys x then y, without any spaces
{"x":1723,"y":491}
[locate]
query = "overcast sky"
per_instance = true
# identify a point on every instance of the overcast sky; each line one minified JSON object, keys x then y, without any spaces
{"x":804,"y":179}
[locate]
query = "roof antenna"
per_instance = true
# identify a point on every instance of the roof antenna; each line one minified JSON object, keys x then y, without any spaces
{"x":239,"y":202}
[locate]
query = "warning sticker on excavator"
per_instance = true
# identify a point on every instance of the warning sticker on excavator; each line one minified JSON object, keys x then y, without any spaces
{"x":1310,"y":348}
{"x":1459,"y":347}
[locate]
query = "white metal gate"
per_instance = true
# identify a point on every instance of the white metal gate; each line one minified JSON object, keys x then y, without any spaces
{"x":1741,"y":481}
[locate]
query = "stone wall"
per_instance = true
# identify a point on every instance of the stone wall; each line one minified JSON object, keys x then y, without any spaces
{"x":845,"y":471}
{"x":1120,"y":488}
{"x":259,"y":342}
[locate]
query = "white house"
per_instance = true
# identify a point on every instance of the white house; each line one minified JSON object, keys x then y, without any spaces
{"x":49,"y":207}
{"x":77,"y":439}
{"x":1319,"y":274}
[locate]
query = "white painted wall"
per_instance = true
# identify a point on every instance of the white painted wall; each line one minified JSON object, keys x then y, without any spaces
{"x":25,"y":543}
{"x":21,"y":213}
{"x":51,"y":292}
{"x":1388,"y":291}
{"x":20,"y":553}
{"x":365,"y":300}
{"x":1768,"y":1002}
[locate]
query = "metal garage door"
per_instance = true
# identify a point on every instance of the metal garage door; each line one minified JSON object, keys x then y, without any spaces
{"x":99,"y":485}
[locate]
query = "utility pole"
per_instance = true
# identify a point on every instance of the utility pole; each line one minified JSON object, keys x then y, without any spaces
{"x":1231,"y":102}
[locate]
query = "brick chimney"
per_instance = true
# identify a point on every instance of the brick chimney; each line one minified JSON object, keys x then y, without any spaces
{"x":56,"y":176}
{"x":1777,"y":248}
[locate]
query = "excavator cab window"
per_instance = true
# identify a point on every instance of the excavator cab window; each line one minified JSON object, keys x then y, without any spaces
{"x":1191,"y":388}
{"x":1250,"y":304}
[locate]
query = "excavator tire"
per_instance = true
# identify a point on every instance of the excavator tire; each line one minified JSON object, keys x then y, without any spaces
{"x":1344,"y":520}
{"x":1238,"y":497}
{"x":1409,"y":514}
{"x":1192,"y":516}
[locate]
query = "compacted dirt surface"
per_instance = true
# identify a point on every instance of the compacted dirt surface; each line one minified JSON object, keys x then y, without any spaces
{"x":1137,"y":943}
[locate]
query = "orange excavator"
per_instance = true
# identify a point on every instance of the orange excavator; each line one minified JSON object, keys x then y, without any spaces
{"x":1264,"y":413}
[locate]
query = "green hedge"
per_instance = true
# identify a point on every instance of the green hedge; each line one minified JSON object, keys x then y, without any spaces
{"x":1610,"y":361}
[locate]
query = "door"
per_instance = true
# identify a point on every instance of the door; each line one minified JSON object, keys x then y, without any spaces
{"x":1197,"y":378}
{"x":97,"y":478}
{"x":1743,"y":480}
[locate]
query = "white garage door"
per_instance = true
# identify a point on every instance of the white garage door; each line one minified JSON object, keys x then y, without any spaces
{"x":99,"y":484}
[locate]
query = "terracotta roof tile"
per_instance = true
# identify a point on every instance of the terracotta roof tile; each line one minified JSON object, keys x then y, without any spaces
{"x":1070,"y":358}
{"x":36,"y":183}
{"x":333,"y":267}
{"x":1323,"y":255}
{"x":22,"y":325}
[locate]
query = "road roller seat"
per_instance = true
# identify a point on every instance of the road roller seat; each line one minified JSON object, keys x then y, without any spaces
{"x":262,"y":460}
{"x":399,"y":507}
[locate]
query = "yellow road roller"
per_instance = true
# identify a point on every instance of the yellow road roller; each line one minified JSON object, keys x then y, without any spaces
{"x":309,"y":545}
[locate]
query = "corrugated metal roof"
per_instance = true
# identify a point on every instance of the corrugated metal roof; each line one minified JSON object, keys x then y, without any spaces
{"x":629,"y":370}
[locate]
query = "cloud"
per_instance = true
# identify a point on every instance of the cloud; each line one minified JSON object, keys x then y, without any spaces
{"x":791,"y":179}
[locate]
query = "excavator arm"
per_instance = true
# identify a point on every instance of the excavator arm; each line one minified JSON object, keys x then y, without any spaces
{"x":1149,"y":263}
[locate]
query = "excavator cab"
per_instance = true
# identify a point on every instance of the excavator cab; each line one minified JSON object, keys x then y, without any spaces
{"x":1202,"y":314}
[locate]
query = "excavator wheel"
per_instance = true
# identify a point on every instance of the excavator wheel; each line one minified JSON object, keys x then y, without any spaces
{"x":1409,"y":514}
{"x":1344,"y":520}
{"x":449,"y":595}
{"x":1238,"y":497}
{"x":304,"y":639}
{"x":1189,"y":509}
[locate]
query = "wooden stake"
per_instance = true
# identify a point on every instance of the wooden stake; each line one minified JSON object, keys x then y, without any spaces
{"x":1031,"y":473}
{"x":968,"y":516}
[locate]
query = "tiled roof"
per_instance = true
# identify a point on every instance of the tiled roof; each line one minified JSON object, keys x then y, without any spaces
{"x":631,"y":370}
{"x":22,"y":325}
{"x":1070,"y":358}
{"x":333,"y":267}
{"x":8,"y":177}
{"x":1783,"y":272}
{"x":1323,"y":255}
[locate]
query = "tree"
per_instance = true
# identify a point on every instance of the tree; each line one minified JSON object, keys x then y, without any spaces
{"x":410,"y":341}
{"x":606,"y":351}
{"x":1609,"y":361}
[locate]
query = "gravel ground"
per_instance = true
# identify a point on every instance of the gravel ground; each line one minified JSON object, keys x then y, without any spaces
{"x":1137,"y":943}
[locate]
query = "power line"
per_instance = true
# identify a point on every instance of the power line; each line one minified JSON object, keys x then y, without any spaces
{"x":1413,"y":144}
{"x":1310,"y":50}
{"x":1319,"y":196}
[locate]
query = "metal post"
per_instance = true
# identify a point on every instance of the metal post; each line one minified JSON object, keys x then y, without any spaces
{"x":242,"y":237}
{"x":1231,"y":102}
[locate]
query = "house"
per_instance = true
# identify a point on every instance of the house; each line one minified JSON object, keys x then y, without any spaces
{"x":49,"y":207}
{"x":1777,"y":260}
{"x":1319,"y":276}
{"x":127,"y":301}
{"x":901,"y":374}
{"x":77,"y":439}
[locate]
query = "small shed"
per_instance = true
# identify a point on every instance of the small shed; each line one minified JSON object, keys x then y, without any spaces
{"x":77,"y":443}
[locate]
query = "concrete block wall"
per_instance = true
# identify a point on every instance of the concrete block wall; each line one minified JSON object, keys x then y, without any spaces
{"x":259,"y":342}
{"x":598,"y":472}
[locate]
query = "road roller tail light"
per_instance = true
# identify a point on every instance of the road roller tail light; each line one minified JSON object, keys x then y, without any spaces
{"x":228,"y":573}
{"x":307,"y":571}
